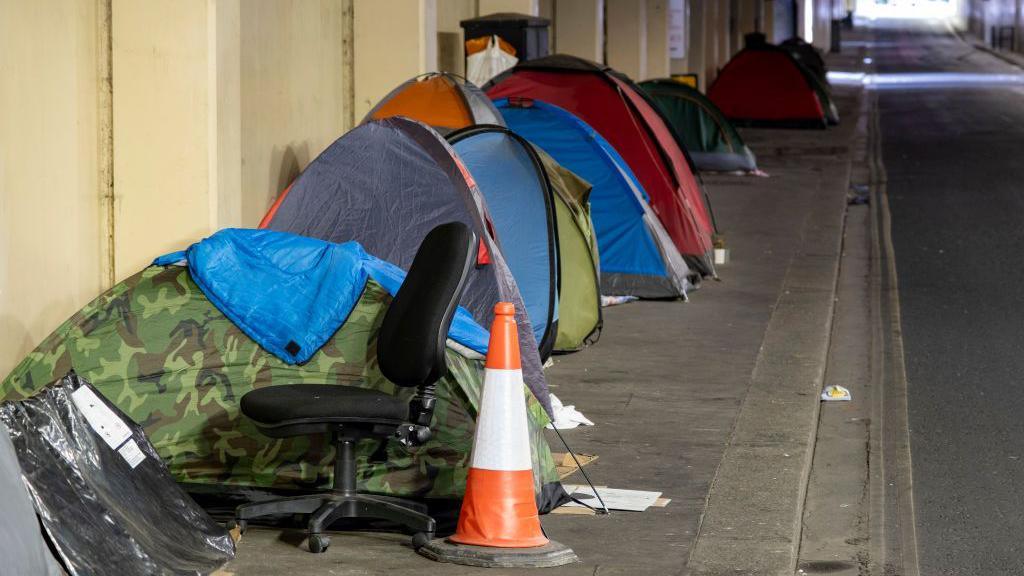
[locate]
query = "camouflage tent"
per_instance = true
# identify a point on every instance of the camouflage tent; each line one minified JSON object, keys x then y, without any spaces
{"x":159,"y":350}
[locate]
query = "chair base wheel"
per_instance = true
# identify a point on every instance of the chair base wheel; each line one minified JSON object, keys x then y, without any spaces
{"x":318,"y":543}
{"x":421,"y":539}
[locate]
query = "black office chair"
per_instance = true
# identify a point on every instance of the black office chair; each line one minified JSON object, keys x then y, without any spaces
{"x":411,"y":353}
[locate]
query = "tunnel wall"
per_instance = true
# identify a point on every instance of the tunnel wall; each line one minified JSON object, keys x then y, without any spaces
{"x":130,"y":129}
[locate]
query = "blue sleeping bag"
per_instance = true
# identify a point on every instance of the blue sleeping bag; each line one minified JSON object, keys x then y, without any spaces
{"x":291,"y":293}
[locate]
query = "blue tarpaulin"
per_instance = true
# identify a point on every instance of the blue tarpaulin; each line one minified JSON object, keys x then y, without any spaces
{"x":291,"y":293}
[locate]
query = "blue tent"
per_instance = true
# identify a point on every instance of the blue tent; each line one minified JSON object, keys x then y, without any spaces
{"x":520,"y":205}
{"x":638,"y":257}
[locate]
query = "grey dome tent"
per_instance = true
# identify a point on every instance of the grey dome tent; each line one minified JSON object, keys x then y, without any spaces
{"x":386,"y":184}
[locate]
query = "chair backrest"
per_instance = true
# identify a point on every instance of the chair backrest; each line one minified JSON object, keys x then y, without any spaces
{"x":411,"y":342}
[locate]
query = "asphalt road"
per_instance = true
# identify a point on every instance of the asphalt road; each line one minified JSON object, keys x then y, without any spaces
{"x":953,"y":147}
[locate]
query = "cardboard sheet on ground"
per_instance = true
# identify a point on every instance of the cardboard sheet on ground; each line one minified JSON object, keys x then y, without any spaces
{"x":614,"y":498}
{"x":565,"y":464}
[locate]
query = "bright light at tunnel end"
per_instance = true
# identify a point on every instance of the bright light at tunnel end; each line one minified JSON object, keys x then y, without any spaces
{"x":923,"y":79}
{"x":916,"y":9}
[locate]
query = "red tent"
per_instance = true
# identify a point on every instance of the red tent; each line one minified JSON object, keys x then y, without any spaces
{"x":610,"y":103}
{"x":764,"y":86}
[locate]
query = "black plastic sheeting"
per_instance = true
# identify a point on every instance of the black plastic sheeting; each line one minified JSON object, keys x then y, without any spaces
{"x":101,"y":514}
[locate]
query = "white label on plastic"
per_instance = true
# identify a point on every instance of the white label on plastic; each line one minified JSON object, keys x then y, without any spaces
{"x":131,"y":453}
{"x":102,"y":419}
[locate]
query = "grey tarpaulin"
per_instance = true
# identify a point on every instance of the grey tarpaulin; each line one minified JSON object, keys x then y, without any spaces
{"x":102,"y":515}
{"x":386,"y":184}
{"x":22,"y":546}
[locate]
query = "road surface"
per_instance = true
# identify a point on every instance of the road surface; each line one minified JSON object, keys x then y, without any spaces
{"x":952,"y":121}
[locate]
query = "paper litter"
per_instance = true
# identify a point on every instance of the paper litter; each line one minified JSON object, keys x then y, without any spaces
{"x":614,"y":498}
{"x":566,"y":417}
{"x":835,"y":393}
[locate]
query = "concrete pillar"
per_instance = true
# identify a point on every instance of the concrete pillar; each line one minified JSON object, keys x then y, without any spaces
{"x":768,"y":21}
{"x":531,"y":7}
{"x":805,"y":20}
{"x":394,"y":41}
{"x":723,"y":26}
{"x":451,"y":52}
{"x":712,"y":39}
{"x":579,"y":28}
{"x":657,"y":39}
{"x":696,"y":54}
{"x":1018,"y":18}
{"x":822,"y":23}
{"x":217,"y":106}
{"x":626,"y":46}
{"x":224,"y":104}
{"x":748,"y":19}
{"x":52,"y":244}
{"x":176,"y":122}
{"x":294,"y":93}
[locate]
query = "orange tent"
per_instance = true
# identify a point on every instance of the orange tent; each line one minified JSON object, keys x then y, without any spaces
{"x":444,"y":101}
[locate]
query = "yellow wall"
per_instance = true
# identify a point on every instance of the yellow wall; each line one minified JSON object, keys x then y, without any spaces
{"x":657,"y":39}
{"x":216,"y":106}
{"x":394,"y":41}
{"x":292,"y":93}
{"x":51,"y":246}
{"x":450,"y":51}
{"x":161,"y":140}
{"x":626,"y":47}
{"x":531,"y":7}
{"x":579,"y":28}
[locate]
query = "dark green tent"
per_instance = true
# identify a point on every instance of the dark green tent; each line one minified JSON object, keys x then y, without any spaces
{"x":810,"y":58}
{"x":709,"y":137}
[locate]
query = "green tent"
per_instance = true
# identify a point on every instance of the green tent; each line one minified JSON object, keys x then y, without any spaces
{"x":156,"y":347}
{"x":824,"y":93}
{"x":816,"y":72}
{"x":579,"y":295}
{"x":713,"y":142}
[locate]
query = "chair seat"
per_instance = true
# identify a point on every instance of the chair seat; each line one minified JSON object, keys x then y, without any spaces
{"x":276,"y":405}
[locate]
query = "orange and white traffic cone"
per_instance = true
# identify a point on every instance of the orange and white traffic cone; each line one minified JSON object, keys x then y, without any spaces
{"x":499,"y":525}
{"x":499,"y":508}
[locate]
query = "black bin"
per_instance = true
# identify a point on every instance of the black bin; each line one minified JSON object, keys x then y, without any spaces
{"x":527,"y":34}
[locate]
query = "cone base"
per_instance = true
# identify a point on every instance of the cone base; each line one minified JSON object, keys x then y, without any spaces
{"x":546,"y":556}
{"x":534,"y":542}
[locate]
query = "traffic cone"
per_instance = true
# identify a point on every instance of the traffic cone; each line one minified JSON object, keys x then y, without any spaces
{"x":499,"y":525}
{"x":499,"y":508}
